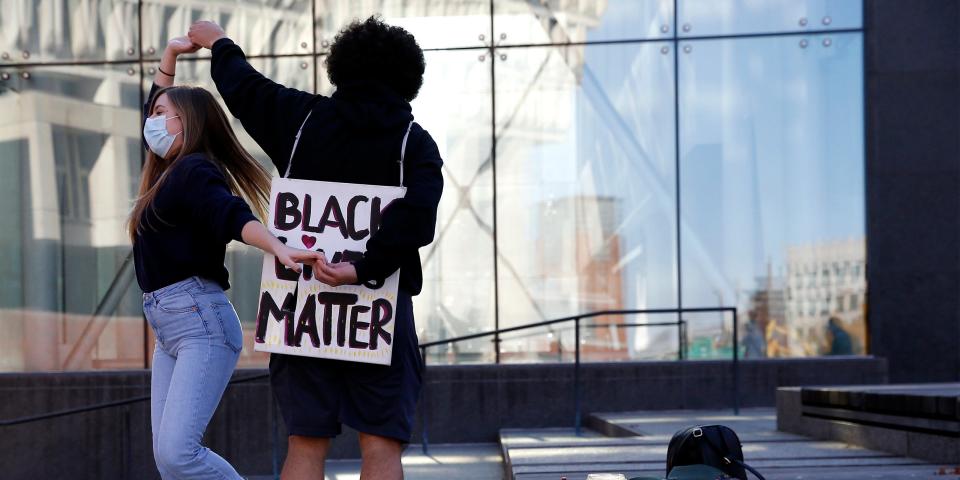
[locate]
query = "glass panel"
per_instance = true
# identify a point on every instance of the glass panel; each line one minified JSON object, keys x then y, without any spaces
{"x":13,"y":157}
{"x":454,"y":105}
{"x":443,"y":24}
{"x":324,"y":87}
{"x":585,"y":181}
{"x":732,"y":17}
{"x":612,"y":338}
{"x":772,"y":183}
{"x":261,"y":27}
{"x":709,"y":335}
{"x":549,"y":344}
{"x":243,"y":261}
{"x":34,"y":31}
{"x":70,"y":140}
{"x":522,"y":22}
{"x":608,"y":338}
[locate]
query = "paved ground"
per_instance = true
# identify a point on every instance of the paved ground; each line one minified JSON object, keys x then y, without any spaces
{"x":445,"y":462}
{"x":550,"y":454}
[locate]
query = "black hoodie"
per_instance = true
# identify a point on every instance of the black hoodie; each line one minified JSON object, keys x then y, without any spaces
{"x":353,"y":136}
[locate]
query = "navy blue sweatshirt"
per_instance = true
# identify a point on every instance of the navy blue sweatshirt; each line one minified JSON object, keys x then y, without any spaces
{"x":353,"y":136}
{"x":186,"y":229}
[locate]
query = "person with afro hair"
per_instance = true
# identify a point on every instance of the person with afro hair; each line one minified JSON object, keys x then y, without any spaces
{"x":353,"y":136}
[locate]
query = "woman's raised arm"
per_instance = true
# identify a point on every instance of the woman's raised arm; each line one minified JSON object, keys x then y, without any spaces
{"x":168,"y":62}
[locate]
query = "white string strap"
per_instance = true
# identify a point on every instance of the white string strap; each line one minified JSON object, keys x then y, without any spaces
{"x":403,"y":150}
{"x":295,"y":142}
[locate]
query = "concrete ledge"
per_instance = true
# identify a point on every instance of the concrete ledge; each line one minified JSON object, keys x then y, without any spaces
{"x":607,"y":428}
{"x":931,"y":400}
{"x":919,"y":437}
{"x":900,"y":422}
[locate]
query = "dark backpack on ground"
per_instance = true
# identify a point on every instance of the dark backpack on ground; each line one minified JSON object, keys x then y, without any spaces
{"x":713,"y":445}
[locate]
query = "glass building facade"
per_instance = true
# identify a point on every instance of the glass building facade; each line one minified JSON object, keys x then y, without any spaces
{"x":600,"y":155}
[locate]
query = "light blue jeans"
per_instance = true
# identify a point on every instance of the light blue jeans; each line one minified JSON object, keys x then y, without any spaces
{"x":198,"y":343}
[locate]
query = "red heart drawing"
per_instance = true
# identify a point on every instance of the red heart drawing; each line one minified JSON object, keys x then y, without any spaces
{"x":309,"y":241}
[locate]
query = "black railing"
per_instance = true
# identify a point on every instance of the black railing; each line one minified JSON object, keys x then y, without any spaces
{"x":101,"y":406}
{"x":275,"y":451}
{"x":576,"y":319}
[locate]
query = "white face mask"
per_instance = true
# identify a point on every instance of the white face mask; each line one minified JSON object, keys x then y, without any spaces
{"x":158,"y":138}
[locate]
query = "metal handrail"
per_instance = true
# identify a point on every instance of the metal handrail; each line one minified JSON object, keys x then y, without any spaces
{"x":101,"y":406}
{"x":680,"y":323}
{"x":599,"y":313}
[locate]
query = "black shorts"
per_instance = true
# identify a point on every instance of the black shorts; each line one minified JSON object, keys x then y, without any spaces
{"x":317,"y":395}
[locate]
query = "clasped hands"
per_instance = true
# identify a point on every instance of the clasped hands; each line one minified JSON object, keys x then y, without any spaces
{"x":333,"y":274}
{"x":202,"y":34}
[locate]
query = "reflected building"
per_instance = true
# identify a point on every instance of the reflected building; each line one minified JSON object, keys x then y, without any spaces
{"x":769,"y":314}
{"x":826,"y":280}
{"x":71,"y":161}
{"x":595,"y":159}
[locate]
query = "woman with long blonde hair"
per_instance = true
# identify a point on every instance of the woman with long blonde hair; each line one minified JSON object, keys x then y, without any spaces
{"x":187,"y":210}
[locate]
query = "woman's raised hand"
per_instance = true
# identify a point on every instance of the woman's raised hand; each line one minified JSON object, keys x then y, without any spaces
{"x":181,"y":45}
{"x":205,"y":33}
{"x":168,"y":62}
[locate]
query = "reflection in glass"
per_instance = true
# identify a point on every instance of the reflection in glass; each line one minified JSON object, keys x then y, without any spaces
{"x":70,"y":151}
{"x":454,"y":106}
{"x":733,"y":17}
{"x":772,"y":188}
{"x":586,"y":184}
{"x":709,"y":335}
{"x":444,"y":24}
{"x":267,"y":27}
{"x":602,"y":339}
{"x":35,"y":31}
{"x":521,"y":22}
{"x":552,"y":343}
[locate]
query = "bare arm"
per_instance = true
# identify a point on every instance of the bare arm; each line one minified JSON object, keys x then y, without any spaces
{"x":168,"y":62}
{"x":254,"y":233}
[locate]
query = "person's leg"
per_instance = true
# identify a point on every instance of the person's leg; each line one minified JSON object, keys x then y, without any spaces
{"x":308,"y":393}
{"x":305,"y":458}
{"x":380,"y":401}
{"x":161,"y":372}
{"x":203,"y":368}
{"x":380,"y":458}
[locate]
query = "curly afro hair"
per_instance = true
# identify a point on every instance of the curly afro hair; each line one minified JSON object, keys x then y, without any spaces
{"x":374,"y":51}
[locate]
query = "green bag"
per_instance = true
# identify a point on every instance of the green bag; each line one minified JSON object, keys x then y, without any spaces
{"x":691,"y":472}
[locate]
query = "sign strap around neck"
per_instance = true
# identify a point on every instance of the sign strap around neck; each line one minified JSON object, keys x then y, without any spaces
{"x":403,"y":150}
{"x":295,"y":142}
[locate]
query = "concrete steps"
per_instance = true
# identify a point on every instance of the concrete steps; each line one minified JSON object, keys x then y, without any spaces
{"x":533,"y":454}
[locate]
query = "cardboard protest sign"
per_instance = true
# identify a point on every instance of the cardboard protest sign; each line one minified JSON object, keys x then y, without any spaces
{"x":299,"y":315}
